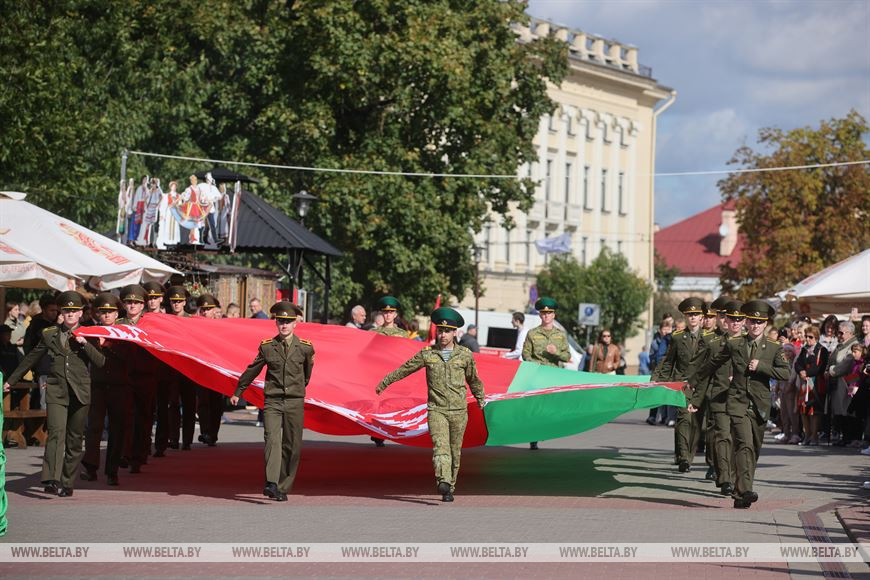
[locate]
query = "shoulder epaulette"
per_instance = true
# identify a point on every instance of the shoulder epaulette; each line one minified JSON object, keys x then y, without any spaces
{"x":735,"y":337}
{"x":49,"y":329}
{"x":427,"y":348}
{"x":776,"y":342}
{"x":709,"y":332}
{"x":267,"y":341}
{"x":676,"y":332}
{"x":303,"y":341}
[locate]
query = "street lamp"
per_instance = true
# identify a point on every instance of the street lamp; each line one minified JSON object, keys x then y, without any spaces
{"x":303,"y":201}
{"x":477,"y":253}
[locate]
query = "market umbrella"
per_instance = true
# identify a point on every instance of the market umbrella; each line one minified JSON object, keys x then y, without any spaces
{"x":836,"y":289}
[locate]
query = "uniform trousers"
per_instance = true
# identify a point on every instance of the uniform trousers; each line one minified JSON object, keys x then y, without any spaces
{"x":210,"y":408}
{"x":114,"y":400}
{"x":447,"y":429}
{"x":181,"y":410}
{"x":63,"y":446}
{"x":723,"y":447}
{"x":748,"y":432}
{"x":282,"y":421}
{"x":687,"y":433}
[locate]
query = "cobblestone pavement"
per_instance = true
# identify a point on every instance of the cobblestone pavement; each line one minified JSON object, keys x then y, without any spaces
{"x":614,"y":484}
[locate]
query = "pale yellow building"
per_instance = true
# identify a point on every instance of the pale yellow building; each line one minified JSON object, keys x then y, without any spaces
{"x":596,"y":155}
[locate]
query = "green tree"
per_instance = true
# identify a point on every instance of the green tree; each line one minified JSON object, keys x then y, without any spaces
{"x":663,"y":301}
{"x":800,"y":221}
{"x":608,"y":281}
{"x":395,"y":85}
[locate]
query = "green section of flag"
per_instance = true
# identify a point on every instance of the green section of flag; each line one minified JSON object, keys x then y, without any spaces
{"x":552,"y":415}
{"x":532,"y":376}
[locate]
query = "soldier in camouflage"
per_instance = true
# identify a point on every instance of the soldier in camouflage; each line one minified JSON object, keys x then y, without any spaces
{"x":449,"y":367}
{"x":389,"y":307}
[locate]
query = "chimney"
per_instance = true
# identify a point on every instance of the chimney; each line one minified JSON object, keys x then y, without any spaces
{"x":728,"y":230}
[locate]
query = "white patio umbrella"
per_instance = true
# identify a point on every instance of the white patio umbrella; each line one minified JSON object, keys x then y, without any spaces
{"x":18,"y":270}
{"x":836,"y":289}
{"x":61,"y":247}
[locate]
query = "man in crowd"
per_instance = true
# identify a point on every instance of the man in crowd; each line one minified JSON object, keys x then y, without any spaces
{"x":110,"y":394}
{"x":546,"y":344}
{"x":449,"y":366}
{"x":657,"y":350}
{"x":68,"y":393}
{"x":469,"y":339}
{"x":257,"y":309}
{"x":518,"y":319}
{"x":357,"y":317}
{"x":677,"y":367}
{"x":754,"y":362}
{"x":289,"y":362}
{"x":210,"y":405}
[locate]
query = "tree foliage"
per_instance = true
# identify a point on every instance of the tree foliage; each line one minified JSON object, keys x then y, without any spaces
{"x":663,"y":301}
{"x":608,"y":281}
{"x":437,"y":86}
{"x":801,"y":221}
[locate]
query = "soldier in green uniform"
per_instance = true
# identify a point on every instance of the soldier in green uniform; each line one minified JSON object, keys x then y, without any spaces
{"x":449,"y":367}
{"x":182,"y":391}
{"x":142,"y":370}
{"x":210,"y":403}
{"x":68,"y":393}
{"x":709,"y":330}
{"x":289,"y":362}
{"x":110,"y":394}
{"x":675,"y":367}
{"x":389,"y":307}
{"x":154,"y":295}
{"x":754,"y":361}
{"x":546,"y":344}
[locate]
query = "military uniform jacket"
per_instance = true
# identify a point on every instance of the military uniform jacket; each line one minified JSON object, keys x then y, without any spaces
{"x":68,"y":363}
{"x":677,"y":364}
{"x":141,"y":366}
{"x":747,"y":388}
{"x":535,"y":347}
{"x":445,"y":380}
{"x":287,"y":373}
{"x":715,"y":389}
{"x":390,"y":331}
{"x":114,"y":371}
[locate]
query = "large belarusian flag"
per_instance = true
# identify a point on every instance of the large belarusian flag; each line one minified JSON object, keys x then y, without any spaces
{"x":525,"y":401}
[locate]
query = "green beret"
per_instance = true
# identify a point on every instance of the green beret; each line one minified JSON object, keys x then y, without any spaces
{"x":70,"y":300}
{"x":445,"y":317}
{"x":107,"y":302}
{"x":733,"y":309}
{"x":207,"y":301}
{"x":388,"y":303}
{"x":153,"y":290}
{"x":546,"y":304}
{"x":285,"y":310}
{"x":692,"y":306}
{"x":133,"y":293}
{"x":718,"y":305}
{"x":177,"y":294}
{"x":758,"y":310}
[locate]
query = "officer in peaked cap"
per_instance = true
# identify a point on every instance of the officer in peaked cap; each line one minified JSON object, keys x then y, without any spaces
{"x":546,"y":344}
{"x":177,"y":296}
{"x":153,"y":296}
{"x":67,"y":395}
{"x":110,"y":392}
{"x":754,"y":361}
{"x":289,"y":362}
{"x":181,"y":404}
{"x":210,"y":403}
{"x":449,"y":366}
{"x":130,"y":294}
{"x":676,"y":367}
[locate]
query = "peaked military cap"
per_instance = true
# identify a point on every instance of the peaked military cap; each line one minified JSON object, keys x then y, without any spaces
{"x":733,"y":309}
{"x":70,"y":300}
{"x":285,"y":310}
{"x":107,"y":302}
{"x":207,"y":301}
{"x":445,"y":317}
{"x":718,"y":305}
{"x":692,"y":306}
{"x":546,"y":304}
{"x":758,"y":310}
{"x":177,"y":294}
{"x":153,"y":290}
{"x":388,"y":303}
{"x":133,"y":293}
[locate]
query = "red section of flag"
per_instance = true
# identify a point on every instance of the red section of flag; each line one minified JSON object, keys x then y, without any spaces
{"x":349,"y":364}
{"x":431,"y":338}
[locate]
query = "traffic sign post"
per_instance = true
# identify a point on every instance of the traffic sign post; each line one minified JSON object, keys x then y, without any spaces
{"x":589,"y":314}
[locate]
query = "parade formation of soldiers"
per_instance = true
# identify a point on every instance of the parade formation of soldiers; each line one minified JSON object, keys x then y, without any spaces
{"x":722,"y":356}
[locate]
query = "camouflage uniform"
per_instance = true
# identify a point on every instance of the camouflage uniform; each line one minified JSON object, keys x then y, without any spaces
{"x":535,"y":346}
{"x":447,"y":402}
{"x":390,"y":331}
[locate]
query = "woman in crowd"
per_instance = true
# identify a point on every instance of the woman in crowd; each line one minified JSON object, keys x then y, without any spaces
{"x":810,"y":366}
{"x":828,"y":335}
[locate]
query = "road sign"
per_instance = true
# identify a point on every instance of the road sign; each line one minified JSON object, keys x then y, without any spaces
{"x":589,"y":314}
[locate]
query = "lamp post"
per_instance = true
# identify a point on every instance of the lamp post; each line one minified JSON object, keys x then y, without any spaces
{"x":477,"y":252}
{"x":303,"y":201}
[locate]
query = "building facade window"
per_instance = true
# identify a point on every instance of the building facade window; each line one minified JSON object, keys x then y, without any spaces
{"x":529,"y":248}
{"x":584,"y":242}
{"x":586,"y":187}
{"x":619,"y":246}
{"x":487,"y":241}
{"x":604,"y":207}
{"x":507,"y":246}
{"x":548,"y":180}
{"x":620,"y":191}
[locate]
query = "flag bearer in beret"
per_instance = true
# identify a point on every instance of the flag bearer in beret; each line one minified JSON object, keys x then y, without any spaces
{"x":546,"y":344}
{"x":210,"y":403}
{"x":754,"y":360}
{"x":289,"y":362}
{"x":110,"y":393}
{"x":68,"y":393}
{"x":142,"y":370}
{"x":449,"y":367}
{"x":182,"y":391}
{"x":676,"y":366}
{"x":389,"y":307}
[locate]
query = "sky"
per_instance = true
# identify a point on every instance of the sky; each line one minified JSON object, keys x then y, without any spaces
{"x":737,"y":67}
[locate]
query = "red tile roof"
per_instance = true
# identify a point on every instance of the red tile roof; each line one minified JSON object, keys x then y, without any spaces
{"x":692,"y":245}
